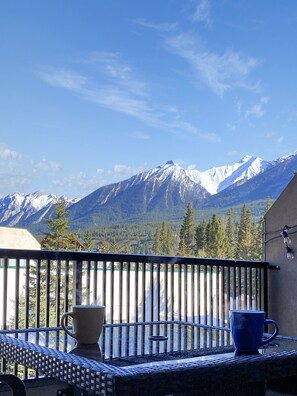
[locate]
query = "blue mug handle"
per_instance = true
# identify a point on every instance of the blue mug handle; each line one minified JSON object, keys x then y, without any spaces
{"x":267,"y":321}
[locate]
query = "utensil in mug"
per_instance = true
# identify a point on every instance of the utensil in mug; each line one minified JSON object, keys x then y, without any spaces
{"x":87,"y":323}
{"x":247,"y":329}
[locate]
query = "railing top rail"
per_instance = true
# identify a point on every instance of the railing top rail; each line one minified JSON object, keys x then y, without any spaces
{"x":126,"y":258}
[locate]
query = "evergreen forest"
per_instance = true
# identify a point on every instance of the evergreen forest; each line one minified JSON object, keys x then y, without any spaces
{"x":224,"y":236}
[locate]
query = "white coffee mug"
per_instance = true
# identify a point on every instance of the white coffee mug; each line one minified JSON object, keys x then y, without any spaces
{"x":87,"y":323}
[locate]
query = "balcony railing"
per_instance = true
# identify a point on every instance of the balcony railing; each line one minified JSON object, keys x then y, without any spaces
{"x":38,"y":286}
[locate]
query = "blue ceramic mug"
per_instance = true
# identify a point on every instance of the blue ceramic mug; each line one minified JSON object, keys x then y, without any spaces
{"x":247,"y":329}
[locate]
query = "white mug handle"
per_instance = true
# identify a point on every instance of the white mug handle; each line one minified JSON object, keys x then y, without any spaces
{"x":63,"y":323}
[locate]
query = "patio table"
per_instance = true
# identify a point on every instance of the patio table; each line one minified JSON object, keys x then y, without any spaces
{"x":150,"y":358}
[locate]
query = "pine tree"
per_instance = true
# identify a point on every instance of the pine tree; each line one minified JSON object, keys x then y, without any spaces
{"x":244,"y":246}
{"x":231,"y":230}
{"x":182,"y":249}
{"x":217,"y":245}
{"x":157,"y":245}
{"x":187,"y":234}
{"x":200,"y":238}
{"x":58,"y":238}
{"x":114,"y":246}
{"x":127,"y":249}
{"x":169,"y":242}
{"x":88,"y":241}
{"x":163,"y":240}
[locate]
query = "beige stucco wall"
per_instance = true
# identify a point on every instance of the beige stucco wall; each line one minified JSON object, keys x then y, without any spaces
{"x":282,"y":283}
{"x":17,"y":238}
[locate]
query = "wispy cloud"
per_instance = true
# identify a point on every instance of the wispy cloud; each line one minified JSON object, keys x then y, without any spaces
{"x":112,"y":69}
{"x":202,"y":12}
{"x":221,"y":72}
{"x":111,"y":83}
{"x":116,"y":87}
{"x":257,"y":110}
{"x":63,"y":78}
{"x":161,"y":27}
{"x":180,"y":125}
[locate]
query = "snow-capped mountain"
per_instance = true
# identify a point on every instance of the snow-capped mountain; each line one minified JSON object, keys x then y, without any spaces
{"x":161,"y":190}
{"x":219,"y":178}
{"x":164,"y":189}
{"x":212,"y":180}
{"x":158,"y":189}
{"x":20,"y":209}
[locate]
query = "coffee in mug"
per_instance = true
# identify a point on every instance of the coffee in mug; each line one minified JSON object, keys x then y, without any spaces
{"x":87,"y":323}
{"x":247,"y":329}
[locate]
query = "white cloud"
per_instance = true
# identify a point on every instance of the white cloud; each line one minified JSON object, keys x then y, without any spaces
{"x":257,"y":110}
{"x":202,"y":13}
{"x":83,"y":184}
{"x":7,"y":153}
{"x":46,"y":165}
{"x":221,"y":72}
{"x":127,"y":171}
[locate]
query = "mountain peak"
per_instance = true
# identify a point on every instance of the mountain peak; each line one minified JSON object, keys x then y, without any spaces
{"x":170,"y":162}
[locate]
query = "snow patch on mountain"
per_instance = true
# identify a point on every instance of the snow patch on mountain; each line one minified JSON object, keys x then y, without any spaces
{"x":18,"y":206}
{"x":220,"y":178}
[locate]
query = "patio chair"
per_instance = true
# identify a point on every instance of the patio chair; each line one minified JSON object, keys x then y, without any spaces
{"x":17,"y":386}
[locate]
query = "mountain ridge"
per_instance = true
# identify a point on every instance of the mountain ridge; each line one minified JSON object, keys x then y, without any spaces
{"x":163,"y":189}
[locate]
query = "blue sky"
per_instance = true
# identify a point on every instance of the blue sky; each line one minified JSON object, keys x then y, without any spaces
{"x":93,"y":92}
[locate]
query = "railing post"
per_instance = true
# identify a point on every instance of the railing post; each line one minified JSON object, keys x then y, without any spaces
{"x":265,"y":291}
{"x":77,"y":283}
{"x":4,"y":294}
